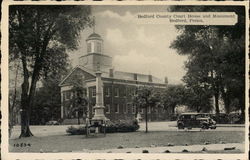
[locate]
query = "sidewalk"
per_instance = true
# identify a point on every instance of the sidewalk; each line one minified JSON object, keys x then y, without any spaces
{"x":230,"y":125}
{"x":210,"y":148}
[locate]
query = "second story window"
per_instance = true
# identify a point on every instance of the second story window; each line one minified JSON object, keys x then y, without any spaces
{"x":125,"y":92}
{"x":107,"y":92}
{"x":116,"y":92}
{"x":93,"y":92}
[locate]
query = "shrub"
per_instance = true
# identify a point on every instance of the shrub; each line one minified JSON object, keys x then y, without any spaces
{"x":122,"y":126}
{"x":111,"y":127}
{"x":76,"y":130}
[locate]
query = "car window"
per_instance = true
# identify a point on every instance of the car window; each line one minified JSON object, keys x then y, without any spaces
{"x":192,"y":116}
{"x":187,"y":117}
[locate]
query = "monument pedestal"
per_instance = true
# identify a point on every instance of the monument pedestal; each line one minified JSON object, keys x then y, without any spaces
{"x":99,"y":117}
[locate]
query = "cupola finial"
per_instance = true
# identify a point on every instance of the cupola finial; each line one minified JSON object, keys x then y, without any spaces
{"x":93,"y":24}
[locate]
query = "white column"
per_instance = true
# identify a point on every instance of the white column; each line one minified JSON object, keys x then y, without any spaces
{"x":62,"y":105}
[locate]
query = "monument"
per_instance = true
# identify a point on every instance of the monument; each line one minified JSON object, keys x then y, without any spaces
{"x":99,"y":118}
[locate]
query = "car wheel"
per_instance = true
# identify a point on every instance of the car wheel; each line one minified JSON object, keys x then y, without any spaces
{"x":180,"y":126}
{"x":204,"y":126}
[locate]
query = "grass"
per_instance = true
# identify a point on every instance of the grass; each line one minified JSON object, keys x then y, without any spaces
{"x":66,"y":143}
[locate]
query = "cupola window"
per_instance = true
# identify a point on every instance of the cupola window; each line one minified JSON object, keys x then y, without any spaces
{"x":88,"y":47}
{"x":98,"y":45}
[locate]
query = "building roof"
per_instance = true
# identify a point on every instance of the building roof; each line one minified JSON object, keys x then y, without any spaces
{"x":94,"y":36}
{"x":130,"y":76}
{"x":119,"y":75}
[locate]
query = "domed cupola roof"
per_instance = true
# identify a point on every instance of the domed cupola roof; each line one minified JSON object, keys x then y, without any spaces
{"x":94,"y":36}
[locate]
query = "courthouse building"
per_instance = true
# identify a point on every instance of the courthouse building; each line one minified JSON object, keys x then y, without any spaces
{"x":118,"y":86}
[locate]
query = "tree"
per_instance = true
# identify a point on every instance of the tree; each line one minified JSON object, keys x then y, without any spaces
{"x":216,"y":55}
{"x":146,"y":98}
{"x":47,"y":100}
{"x":36,"y":33}
{"x":80,"y":102}
{"x":173,"y":96}
{"x":14,"y":93}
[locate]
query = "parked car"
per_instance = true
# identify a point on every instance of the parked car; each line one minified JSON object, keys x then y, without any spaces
{"x":195,"y":120}
{"x":52,"y":123}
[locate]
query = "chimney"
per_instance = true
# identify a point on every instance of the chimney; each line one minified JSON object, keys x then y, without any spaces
{"x":166,"y":80}
{"x":111,"y":72}
{"x":150,"y":79}
{"x":135,"y":76}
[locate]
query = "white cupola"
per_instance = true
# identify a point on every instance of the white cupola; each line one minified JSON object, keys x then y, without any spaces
{"x":94,"y":44}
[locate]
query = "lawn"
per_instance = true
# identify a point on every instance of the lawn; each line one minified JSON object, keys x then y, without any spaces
{"x":67,"y":143}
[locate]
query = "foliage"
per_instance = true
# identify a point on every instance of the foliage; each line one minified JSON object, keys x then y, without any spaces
{"x":76,"y":130}
{"x":173,"y":96}
{"x":199,"y":99}
{"x":196,"y":98}
{"x":216,"y":55}
{"x":37,"y":36}
{"x":146,"y":97}
{"x":122,"y":126}
{"x":112,"y":127}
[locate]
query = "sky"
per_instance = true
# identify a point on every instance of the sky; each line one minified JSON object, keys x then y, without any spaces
{"x":135,"y":47}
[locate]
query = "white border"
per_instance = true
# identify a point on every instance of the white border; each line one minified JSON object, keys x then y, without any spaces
{"x":4,"y":89}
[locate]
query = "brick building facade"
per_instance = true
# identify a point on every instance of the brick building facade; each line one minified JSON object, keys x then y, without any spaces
{"x":118,"y":86}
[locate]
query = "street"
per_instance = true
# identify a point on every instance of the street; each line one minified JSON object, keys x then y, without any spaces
{"x":41,"y":131}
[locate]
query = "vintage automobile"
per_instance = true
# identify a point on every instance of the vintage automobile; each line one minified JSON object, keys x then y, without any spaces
{"x":195,"y":120}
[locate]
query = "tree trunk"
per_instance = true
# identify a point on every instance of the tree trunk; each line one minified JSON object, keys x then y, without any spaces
{"x":25,"y":130}
{"x":173,"y":108}
{"x":217,"y":109}
{"x":78,"y":117}
{"x":242,"y":106}
{"x":146,"y":118}
{"x":25,"y":104}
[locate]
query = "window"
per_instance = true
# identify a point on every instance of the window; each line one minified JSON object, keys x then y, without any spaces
{"x":68,"y":95}
{"x":133,"y":109}
{"x":89,"y":47}
{"x":125,"y":108}
{"x":107,"y":108}
{"x":84,"y":93}
{"x":149,"y":109}
{"x":98,"y":46}
{"x":125,"y":92}
{"x":93,"y":109}
{"x":141,"y":110}
{"x":116,"y":108}
{"x":128,"y":107}
{"x":134,"y":91}
{"x":93,"y":92}
{"x":107,"y":91}
{"x":116,"y":92}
